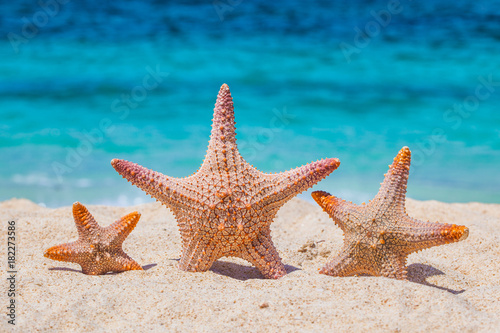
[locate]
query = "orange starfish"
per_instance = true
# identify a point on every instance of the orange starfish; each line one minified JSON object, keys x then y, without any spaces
{"x":227,"y":206}
{"x":380,"y":235}
{"x":98,"y":250}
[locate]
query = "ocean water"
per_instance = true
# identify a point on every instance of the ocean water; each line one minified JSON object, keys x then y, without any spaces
{"x":84,"y":82}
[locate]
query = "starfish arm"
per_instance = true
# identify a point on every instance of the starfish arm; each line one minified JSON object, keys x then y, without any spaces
{"x":198,"y":253}
{"x":121,"y":228}
{"x":285,"y":185}
{"x":264,"y":256}
{"x":393,"y":265}
{"x":169,"y":190}
{"x":119,"y":261}
{"x":125,"y":263}
{"x":222,"y":155}
{"x":393,"y":190}
{"x":75,"y":252}
{"x":223,"y":124}
{"x":419,"y":235}
{"x":342,"y":212}
{"x":86,"y":225}
{"x":63,"y":252}
{"x":343,"y":264}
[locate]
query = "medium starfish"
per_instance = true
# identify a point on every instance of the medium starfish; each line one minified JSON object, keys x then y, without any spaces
{"x":98,"y":250}
{"x":227,"y":206}
{"x":380,"y":235}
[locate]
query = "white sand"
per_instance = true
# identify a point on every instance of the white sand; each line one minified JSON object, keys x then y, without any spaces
{"x":452,"y":288}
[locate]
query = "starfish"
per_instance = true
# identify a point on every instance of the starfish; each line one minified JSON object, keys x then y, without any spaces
{"x":98,"y":250}
{"x":380,"y":235}
{"x":227,"y":206}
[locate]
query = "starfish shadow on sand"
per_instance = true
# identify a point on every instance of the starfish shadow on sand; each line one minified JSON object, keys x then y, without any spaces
{"x":242,"y":272}
{"x":145,"y":267}
{"x":419,"y":273}
{"x":65,"y":269}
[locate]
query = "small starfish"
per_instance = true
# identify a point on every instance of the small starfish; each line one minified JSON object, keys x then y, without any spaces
{"x":380,"y":235}
{"x":98,"y":250}
{"x":227,"y":206}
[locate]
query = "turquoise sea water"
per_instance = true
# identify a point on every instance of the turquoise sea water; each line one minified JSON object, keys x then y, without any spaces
{"x":79,"y":92}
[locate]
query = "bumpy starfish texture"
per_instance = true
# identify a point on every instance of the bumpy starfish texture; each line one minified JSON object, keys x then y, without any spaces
{"x":98,"y":250}
{"x":380,"y":235}
{"x":227,"y":206}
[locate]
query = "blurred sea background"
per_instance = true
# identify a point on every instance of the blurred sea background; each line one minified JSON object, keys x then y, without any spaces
{"x":82,"y":82}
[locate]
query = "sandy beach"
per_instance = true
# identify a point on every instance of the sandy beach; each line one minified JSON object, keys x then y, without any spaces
{"x":452,"y":288}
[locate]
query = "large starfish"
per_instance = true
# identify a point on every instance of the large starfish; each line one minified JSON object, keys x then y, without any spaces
{"x":98,"y":250}
{"x":380,"y":235}
{"x":227,"y":206}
